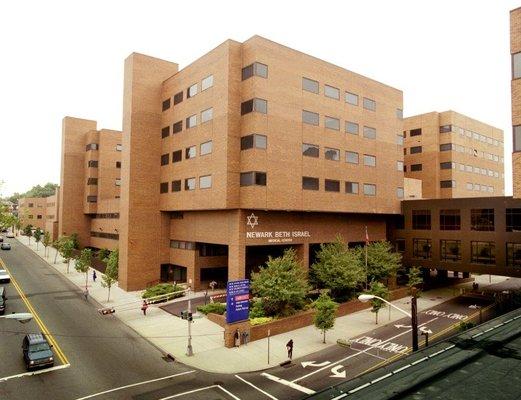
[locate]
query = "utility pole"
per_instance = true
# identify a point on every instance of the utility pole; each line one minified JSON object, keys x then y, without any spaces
{"x":189,"y":350}
{"x":269,"y":346}
{"x":414,"y":320}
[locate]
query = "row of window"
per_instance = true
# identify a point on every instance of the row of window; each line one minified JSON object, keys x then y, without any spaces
{"x":94,"y":181}
{"x":190,"y":122}
{"x":313,"y":118}
{"x":466,"y":168}
{"x":30,"y":216}
{"x":190,"y":152}
{"x":517,"y":137}
{"x":205,"y":182}
{"x":105,"y":235}
{"x":451,"y":184}
{"x":105,"y":216}
{"x":192,"y":90}
{"x":94,"y":164}
{"x":313,"y":150}
{"x":205,"y":249}
{"x":470,"y":134}
{"x":468,"y":150}
{"x":95,"y":146}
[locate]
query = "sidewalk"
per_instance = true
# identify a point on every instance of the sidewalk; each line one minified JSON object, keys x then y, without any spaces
{"x":169,"y":332}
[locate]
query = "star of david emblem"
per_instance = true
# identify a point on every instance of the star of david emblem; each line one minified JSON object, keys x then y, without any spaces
{"x":252,"y":220}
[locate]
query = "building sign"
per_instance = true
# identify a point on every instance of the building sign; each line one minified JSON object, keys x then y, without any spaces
{"x":237,"y":300}
{"x":273,"y":236}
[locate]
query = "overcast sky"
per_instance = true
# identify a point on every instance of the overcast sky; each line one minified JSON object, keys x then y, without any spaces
{"x":63,"y":58}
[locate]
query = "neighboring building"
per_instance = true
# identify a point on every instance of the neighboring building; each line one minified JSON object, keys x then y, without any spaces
{"x":515,"y":50}
{"x":412,"y":189}
{"x":52,"y":208}
{"x":32,"y":211}
{"x":454,"y":155}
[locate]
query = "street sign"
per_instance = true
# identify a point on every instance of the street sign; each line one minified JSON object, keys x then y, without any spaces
{"x":237,"y":300}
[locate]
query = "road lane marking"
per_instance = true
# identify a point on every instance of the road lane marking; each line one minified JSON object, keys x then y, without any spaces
{"x":90,"y":396}
{"x":292,"y":385}
{"x":257,"y":388}
{"x":228,"y":392}
{"x":39,"y":372}
{"x":200,"y":390}
{"x":36,"y":317}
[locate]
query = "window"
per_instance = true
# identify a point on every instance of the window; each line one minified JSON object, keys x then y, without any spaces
{"x":369,"y":133}
{"x":117,"y":182}
{"x":450,"y":250}
{"x":165,"y":132}
{"x":253,"y":178}
{"x":309,"y":117}
{"x":415,"y":149}
{"x":399,"y":140}
{"x":369,"y":104}
{"x":332,"y":92}
{"x":163,"y":187}
{"x":517,"y":137}
{"x":421,"y":248}
{"x":92,"y":146}
{"x":331,"y":185}
{"x":206,"y":115}
{"x":205,"y":182}
{"x":118,"y":164}
{"x":352,"y":128}
{"x":31,"y":216}
{"x":352,"y":98}
{"x":309,"y":183}
{"x":446,"y":147}
{"x":179,"y":244}
{"x":351,"y":187}
{"x":191,"y":121}
{"x":165,"y":159}
{"x":119,"y":147}
{"x":39,"y":216}
{"x":206,"y":148}
{"x":206,"y":83}
{"x":177,"y":127}
{"x":93,"y":163}
{"x":190,"y":184}
{"x":482,"y":219}
{"x":447,"y":184}
{"x":399,"y":192}
{"x":257,"y":105}
{"x":469,"y":186}
{"x":399,"y":245}
{"x":351,"y":157}
{"x":415,"y":132}
{"x":445,"y":128}
{"x":399,"y":165}
{"x":513,"y":219}
{"x":310,"y":150}
{"x":399,"y":113}
{"x":369,"y":160}
{"x":177,"y":156}
{"x":516,"y":66}
{"x":190,"y":152}
{"x":191,"y":91}
{"x":309,"y":85}
{"x":254,"y":141}
{"x":178,"y":98}
{"x":369,"y":189}
{"x":483,"y":252}
{"x":92,"y":181}
{"x":513,"y":254}
{"x":166,"y":104}
{"x":450,"y":220}
{"x":332,"y":154}
{"x":446,"y":165}
{"x":421,"y":219}
{"x":256,"y":69}
{"x":176,"y":186}
{"x":332,"y":123}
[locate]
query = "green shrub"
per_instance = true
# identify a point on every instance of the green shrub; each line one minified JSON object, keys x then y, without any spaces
{"x":163,"y":288}
{"x":214,"y":308}
{"x":260,"y":320}
{"x":257,"y":309}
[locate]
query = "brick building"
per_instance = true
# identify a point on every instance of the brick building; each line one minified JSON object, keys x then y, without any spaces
{"x":32,"y":211}
{"x":515,"y":51}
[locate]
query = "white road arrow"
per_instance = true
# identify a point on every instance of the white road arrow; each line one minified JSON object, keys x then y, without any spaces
{"x":402,"y":326}
{"x":336,"y":372}
{"x":313,"y":364}
{"x":425,"y":330}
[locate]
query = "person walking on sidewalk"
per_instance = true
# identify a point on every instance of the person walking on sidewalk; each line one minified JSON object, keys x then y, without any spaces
{"x":94,"y":276}
{"x":289,"y":347}
{"x":144,"y":307}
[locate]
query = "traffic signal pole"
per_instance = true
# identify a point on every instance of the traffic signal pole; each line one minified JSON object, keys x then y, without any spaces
{"x":189,"y":350}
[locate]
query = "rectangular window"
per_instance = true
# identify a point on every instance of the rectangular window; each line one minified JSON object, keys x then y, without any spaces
{"x":92,"y":199}
{"x":257,"y":105}
{"x":352,"y":98}
{"x":117,"y":182}
{"x":206,"y":115}
{"x":513,"y":219}
{"x":206,"y":83}
{"x":163,"y":187}
{"x":92,"y":146}
{"x":483,"y":252}
{"x":446,"y":147}
{"x":399,"y":140}
{"x":310,"y":150}
{"x":447,"y":184}
{"x":399,"y":113}
{"x":177,"y":127}
{"x":191,"y":91}
{"x":178,"y":98}
{"x":206,"y":148}
{"x":450,"y":250}
{"x":118,"y":164}
{"x":332,"y":123}
{"x":254,"y":141}
{"x":399,"y":245}
{"x":369,"y":160}
{"x":469,"y":186}
{"x":165,"y":159}
{"x":205,"y":182}
{"x":310,"y":183}
{"x":351,"y":157}
{"x":421,"y":248}
{"x":352,"y":128}
{"x":176,"y":186}
{"x":190,"y":152}
{"x":369,"y":133}
{"x":513,"y":254}
{"x":421,"y":219}
{"x":93,"y":163}
{"x":516,"y":65}
{"x":450,"y":220}
{"x":331,"y":92}
{"x":415,"y":132}
{"x":92,"y":181}
{"x":165,"y":132}
{"x":399,"y":166}
{"x":369,"y":104}
{"x":445,"y":128}
{"x":309,"y":117}
{"x":190,"y":184}
{"x":166,"y":105}
{"x":253,"y":178}
{"x":482,"y":219}
{"x":191,"y":121}
{"x":517,"y":137}
{"x":255,"y":69}
{"x":331,"y":185}
{"x":369,"y":189}
{"x":309,"y":85}
{"x":446,"y":165}
{"x":119,"y":147}
{"x":415,"y":149}
{"x":351,"y":187}
{"x":399,"y":192}
{"x":177,"y":156}
{"x":332,"y":154}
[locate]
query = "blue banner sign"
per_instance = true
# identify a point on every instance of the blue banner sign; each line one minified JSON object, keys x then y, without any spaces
{"x":237,"y":300}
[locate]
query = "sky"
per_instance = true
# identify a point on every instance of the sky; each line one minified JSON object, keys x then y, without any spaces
{"x":65,"y":58}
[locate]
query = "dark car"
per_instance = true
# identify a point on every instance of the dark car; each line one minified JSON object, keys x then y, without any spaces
{"x":5,"y":246}
{"x":37,"y":351}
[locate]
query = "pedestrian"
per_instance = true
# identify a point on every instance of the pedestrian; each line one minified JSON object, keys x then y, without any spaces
{"x":289,"y":347}
{"x":86,"y":294}
{"x":237,"y":338}
{"x":94,"y":276}
{"x":144,"y":307}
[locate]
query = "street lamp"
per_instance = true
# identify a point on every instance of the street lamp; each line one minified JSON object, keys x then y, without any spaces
{"x":365,"y":297}
{"x":20,"y":317}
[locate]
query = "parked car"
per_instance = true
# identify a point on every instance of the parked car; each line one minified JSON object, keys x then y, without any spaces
{"x":4,"y":276}
{"x":3,"y":298}
{"x":5,"y":246}
{"x":37,"y":351}
{"x":9,"y":235}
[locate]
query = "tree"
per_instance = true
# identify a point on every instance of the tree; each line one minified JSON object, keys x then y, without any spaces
{"x":37,"y":236}
{"x":380,"y":290}
{"x":75,"y":241}
{"x":66,"y":249}
{"x":281,"y":284}
{"x":83,"y":263}
{"x":415,"y":280}
{"x":28,"y":231}
{"x":40,"y":191}
{"x":382,"y":261}
{"x":103,"y":254}
{"x":111,"y":272}
{"x":338,"y":268}
{"x":56,"y":244}
{"x":18,"y":225}
{"x":46,"y":242}
{"x":324,"y":318}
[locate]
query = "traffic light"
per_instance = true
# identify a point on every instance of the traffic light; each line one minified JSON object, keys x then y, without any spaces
{"x":108,"y":310}
{"x":187,"y":315}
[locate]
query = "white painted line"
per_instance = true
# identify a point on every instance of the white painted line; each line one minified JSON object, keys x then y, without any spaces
{"x":255,"y":387}
{"x":508,"y":320}
{"x":189,"y":392}
{"x":134,"y":384}
{"x":382,"y":377}
{"x":498,"y":325}
{"x":359,"y":387}
{"x":228,"y":392}
{"x":288,"y":383}
{"x":450,"y":347}
{"x":420,"y":360}
{"x":401,"y":368}
{"x":437,"y":353}
{"x":488,"y":330}
{"x":39,"y":372}
{"x":477,"y":334}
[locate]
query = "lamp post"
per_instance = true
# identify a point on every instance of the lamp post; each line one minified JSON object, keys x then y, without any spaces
{"x":413,"y":315}
{"x":474,"y":307}
{"x":189,"y":349}
{"x":20,"y":317}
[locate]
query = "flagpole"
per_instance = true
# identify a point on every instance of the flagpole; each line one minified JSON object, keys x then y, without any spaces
{"x":366,"y":239}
